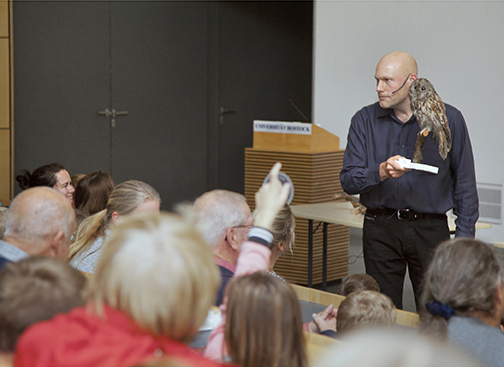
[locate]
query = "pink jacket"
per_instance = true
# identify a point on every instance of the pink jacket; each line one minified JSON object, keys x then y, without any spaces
{"x":253,"y":257}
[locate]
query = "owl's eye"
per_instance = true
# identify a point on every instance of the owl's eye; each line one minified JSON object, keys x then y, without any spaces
{"x":423,"y":88}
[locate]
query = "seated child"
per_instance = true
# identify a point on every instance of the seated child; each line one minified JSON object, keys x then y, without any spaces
{"x":358,"y":282}
{"x":365,"y":310}
{"x":32,"y":290}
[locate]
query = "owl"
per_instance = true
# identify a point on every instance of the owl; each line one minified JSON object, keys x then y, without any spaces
{"x":430,"y":113}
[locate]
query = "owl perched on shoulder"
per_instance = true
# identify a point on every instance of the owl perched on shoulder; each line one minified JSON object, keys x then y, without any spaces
{"x":429,"y":110}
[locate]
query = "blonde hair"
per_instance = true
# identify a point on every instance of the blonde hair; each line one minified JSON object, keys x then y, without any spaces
{"x":365,"y":309}
{"x":263,"y":325}
{"x":157,"y":269}
{"x":394,"y":348}
{"x":463,"y":274}
{"x":124,"y":199}
{"x":283,"y":228}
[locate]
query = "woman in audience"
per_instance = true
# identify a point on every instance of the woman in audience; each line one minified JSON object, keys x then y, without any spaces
{"x":52,"y":175}
{"x":91,"y":195}
{"x":463,"y":298}
{"x":283,"y":236}
{"x":153,"y":287}
{"x":76,"y":178}
{"x":128,"y":197}
{"x":263,"y":325}
{"x":92,"y":192}
{"x":261,"y":316}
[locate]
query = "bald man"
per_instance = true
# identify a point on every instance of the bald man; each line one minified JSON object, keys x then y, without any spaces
{"x":405,"y":219}
{"x":40,"y":221}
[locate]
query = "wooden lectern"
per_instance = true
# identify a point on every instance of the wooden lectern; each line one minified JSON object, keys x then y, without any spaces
{"x":313,"y":162}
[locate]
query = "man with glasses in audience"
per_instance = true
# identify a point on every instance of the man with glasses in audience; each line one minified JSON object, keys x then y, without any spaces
{"x":224,"y":219}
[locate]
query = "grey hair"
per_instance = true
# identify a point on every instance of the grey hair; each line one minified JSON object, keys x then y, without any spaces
{"x":393,"y":348}
{"x":215,"y":212}
{"x":464,"y":274}
{"x":40,"y":216}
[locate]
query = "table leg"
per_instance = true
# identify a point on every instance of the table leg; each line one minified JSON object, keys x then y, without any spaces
{"x":324,"y":258}
{"x":310,"y":252}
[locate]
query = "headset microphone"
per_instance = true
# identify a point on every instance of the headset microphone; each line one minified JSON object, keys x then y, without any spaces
{"x":397,"y":90}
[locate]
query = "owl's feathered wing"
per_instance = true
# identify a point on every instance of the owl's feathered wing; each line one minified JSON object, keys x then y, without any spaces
{"x":430,"y":112}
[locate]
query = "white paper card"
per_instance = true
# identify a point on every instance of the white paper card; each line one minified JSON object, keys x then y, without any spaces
{"x":406,"y":163}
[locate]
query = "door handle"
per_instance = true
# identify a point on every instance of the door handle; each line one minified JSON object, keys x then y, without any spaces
{"x":113,"y":114}
{"x":119,"y":113}
{"x":223,"y":112}
{"x":105,"y":113}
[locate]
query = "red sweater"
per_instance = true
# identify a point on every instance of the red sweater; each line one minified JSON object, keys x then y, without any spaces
{"x":81,"y":339}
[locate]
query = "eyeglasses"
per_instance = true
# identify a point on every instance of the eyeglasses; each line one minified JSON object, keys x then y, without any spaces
{"x":243,"y":226}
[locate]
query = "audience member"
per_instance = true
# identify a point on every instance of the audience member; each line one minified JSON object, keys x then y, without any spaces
{"x":283,"y":236}
{"x":224,"y":219}
{"x":365,"y":310}
{"x":92,"y":192}
{"x":325,"y":322}
{"x":261,"y":323}
{"x":358,"y":282}
{"x":32,"y":290}
{"x":463,"y":299}
{"x":52,"y":175}
{"x":76,"y":178}
{"x":40,"y":221}
{"x":128,"y":197}
{"x":3,"y":218}
{"x":153,"y":287}
{"x":387,"y":348}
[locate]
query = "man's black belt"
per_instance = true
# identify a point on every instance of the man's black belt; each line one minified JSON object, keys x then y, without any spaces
{"x":403,"y":214}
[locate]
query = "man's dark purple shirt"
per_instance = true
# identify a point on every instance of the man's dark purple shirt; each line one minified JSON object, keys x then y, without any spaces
{"x":376,"y":134}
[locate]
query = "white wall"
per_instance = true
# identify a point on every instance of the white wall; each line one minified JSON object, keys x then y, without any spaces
{"x":459,"y":47}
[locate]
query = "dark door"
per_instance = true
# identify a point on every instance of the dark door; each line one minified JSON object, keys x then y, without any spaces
{"x":172,"y":66}
{"x":74,"y":59}
{"x":61,"y":80}
{"x":159,"y":75}
{"x":265,"y":72}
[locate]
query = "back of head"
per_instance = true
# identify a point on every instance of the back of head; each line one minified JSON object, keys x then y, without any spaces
{"x":123,"y":199}
{"x":391,"y":348}
{"x":364,"y":310}
{"x":357,"y":283}
{"x":157,"y":269}
{"x":76,"y":178}
{"x":37,"y":213}
{"x":92,"y":192}
{"x":283,"y":227}
{"x":263,"y":325}
{"x":42,"y":176}
{"x":33,"y":290}
{"x":464,"y":274}
{"x":216,"y":211}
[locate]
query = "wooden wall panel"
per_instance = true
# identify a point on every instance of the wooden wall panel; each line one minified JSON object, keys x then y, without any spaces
{"x":315,"y":177}
{"x":5,"y":168}
{"x":4,"y":19}
{"x":4,"y":83}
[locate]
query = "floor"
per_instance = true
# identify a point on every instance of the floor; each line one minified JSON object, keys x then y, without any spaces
{"x":356,"y":265}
